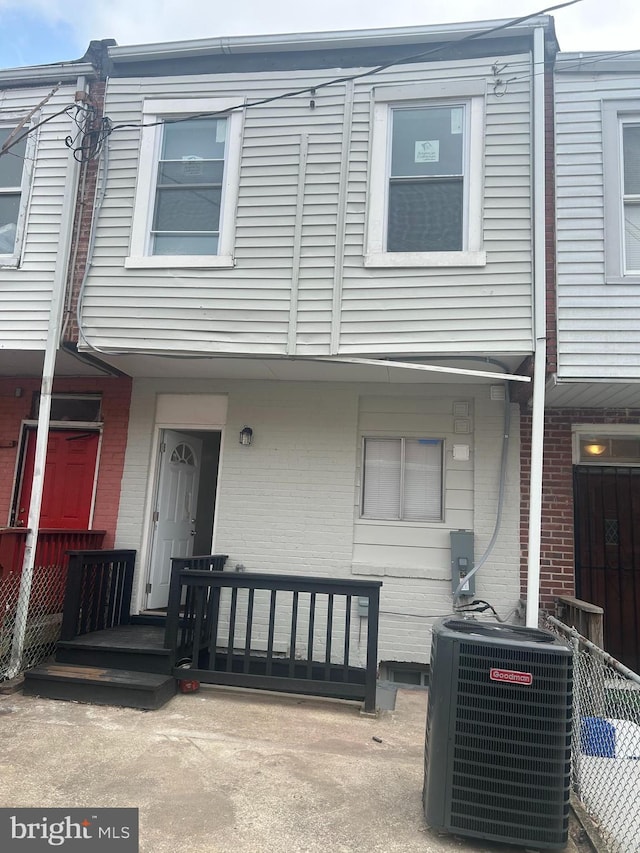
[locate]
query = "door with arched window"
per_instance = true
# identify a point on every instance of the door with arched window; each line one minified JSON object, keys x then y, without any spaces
{"x":174,"y":518}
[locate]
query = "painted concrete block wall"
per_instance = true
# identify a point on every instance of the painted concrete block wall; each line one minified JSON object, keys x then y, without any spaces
{"x":289,"y":502}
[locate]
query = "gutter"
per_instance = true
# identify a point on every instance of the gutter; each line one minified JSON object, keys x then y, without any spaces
{"x":279,"y":43}
{"x":62,"y":72}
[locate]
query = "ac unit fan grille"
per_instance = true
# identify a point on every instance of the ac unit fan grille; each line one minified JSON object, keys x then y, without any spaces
{"x":512,"y":744}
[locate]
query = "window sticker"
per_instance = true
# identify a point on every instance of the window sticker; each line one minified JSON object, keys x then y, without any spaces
{"x":221,"y":130}
{"x":192,"y":166}
{"x":456,"y":120}
{"x":427,"y":151}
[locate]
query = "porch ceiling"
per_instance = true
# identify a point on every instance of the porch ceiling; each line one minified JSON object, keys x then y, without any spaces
{"x":29,"y":363}
{"x":592,"y":395}
{"x":301,"y":370}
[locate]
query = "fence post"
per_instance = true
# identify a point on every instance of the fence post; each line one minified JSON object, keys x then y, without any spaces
{"x":173,"y":605}
{"x":576,"y":751}
{"x":371,"y":674}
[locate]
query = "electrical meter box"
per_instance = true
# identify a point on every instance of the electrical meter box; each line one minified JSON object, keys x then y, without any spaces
{"x":462,"y":561}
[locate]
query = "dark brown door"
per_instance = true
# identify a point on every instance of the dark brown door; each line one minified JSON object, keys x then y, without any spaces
{"x":607,"y":539}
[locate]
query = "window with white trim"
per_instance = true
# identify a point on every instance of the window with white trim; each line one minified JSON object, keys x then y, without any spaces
{"x":187,"y":185}
{"x":621,"y":153}
{"x":14,"y":177}
{"x":425,"y":190}
{"x":402,"y":479}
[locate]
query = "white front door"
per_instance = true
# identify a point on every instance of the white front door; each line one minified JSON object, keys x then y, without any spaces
{"x":175,"y":513}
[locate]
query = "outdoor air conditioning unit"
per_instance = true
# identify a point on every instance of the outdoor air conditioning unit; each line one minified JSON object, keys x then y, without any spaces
{"x":498,"y":745}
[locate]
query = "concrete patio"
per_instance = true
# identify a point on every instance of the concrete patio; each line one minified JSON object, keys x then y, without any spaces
{"x":221,"y":771}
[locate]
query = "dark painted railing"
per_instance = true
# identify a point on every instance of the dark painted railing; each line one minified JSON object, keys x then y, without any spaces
{"x":51,"y":547}
{"x":98,"y":593}
{"x":277,"y":632}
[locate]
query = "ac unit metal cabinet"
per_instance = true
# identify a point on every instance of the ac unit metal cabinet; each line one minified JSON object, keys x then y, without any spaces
{"x":498,"y":744}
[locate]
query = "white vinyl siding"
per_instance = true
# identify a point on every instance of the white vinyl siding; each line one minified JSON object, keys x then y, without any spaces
{"x":598,"y":306}
{"x":299,"y":285}
{"x":26,"y":275}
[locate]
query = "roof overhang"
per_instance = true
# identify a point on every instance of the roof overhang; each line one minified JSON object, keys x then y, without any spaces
{"x":349,"y":39}
{"x":322,"y":369}
{"x":38,"y":75}
{"x":592,"y":394}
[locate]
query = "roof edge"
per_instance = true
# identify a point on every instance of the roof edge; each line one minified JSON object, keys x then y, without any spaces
{"x":321,"y":40}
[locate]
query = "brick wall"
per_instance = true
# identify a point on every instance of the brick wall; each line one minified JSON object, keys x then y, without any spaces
{"x":82,"y":225}
{"x":116,"y":395}
{"x":557,"y":546}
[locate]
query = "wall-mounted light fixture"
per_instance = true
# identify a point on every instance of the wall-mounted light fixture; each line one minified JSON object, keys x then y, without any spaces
{"x":246,"y":436}
{"x":594,"y":447}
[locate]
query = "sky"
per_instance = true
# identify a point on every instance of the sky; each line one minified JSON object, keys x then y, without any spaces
{"x":34,"y":32}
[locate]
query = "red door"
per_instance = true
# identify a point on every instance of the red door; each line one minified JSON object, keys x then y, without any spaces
{"x":68,"y":479}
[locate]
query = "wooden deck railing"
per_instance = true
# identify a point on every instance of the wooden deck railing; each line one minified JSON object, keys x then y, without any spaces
{"x":277,"y":632}
{"x":51,"y":547}
{"x":586,"y":618}
{"x":98,"y":593}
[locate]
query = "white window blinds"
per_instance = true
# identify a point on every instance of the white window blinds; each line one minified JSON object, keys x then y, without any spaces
{"x":402,"y":479}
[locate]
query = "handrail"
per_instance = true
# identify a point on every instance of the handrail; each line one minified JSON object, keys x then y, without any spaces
{"x":232,"y":635}
{"x":587,"y":618}
{"x":51,"y":546}
{"x":98,"y":593}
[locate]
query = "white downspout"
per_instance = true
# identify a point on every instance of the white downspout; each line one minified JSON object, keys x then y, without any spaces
{"x":42,"y":433}
{"x":539,"y":331}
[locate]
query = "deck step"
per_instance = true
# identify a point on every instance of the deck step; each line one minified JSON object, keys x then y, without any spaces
{"x":138,"y":648}
{"x":100,"y":685}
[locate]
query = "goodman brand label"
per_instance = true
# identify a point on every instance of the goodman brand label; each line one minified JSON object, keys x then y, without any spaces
{"x":72,"y":830}
{"x":511,"y":676}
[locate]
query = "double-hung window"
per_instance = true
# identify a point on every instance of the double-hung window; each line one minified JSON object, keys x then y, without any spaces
{"x":621,"y":153}
{"x":187,"y":186}
{"x":402,"y":479}
{"x":631,"y":195}
{"x":13,"y":193}
{"x":425,"y":183}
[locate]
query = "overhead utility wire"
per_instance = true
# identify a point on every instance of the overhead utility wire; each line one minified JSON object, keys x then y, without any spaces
{"x":346,"y":79}
{"x":107,"y":128}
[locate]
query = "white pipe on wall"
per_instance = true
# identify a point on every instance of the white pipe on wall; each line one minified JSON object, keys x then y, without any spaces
{"x":539,"y":332}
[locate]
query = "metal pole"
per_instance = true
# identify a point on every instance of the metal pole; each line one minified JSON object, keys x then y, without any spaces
{"x":539,"y":332}
{"x":44,"y":410}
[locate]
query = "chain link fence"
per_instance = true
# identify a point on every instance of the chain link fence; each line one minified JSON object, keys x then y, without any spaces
{"x":606,"y":740}
{"x":43,"y":618}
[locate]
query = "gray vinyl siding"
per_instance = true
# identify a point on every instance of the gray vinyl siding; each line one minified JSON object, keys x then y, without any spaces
{"x":248,"y":309}
{"x":25,"y":291}
{"x":597,"y":322}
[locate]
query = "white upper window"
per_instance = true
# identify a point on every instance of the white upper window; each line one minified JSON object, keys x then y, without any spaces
{"x":631,"y":195}
{"x":187,"y":185}
{"x":402,"y":479}
{"x":14,"y":177}
{"x":425,"y":190}
{"x":621,"y":152}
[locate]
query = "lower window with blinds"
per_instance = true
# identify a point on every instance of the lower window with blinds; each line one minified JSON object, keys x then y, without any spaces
{"x":402,"y":479}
